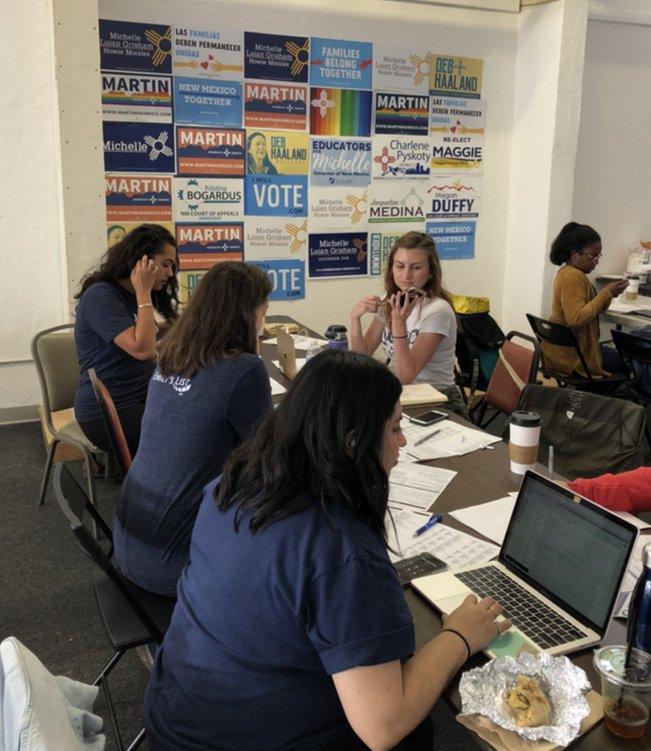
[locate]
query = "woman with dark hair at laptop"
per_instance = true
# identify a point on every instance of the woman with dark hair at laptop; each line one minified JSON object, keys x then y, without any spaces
{"x":208,"y":393}
{"x":291,"y":630}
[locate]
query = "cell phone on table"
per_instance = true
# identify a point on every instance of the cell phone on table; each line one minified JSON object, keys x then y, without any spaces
{"x":428,"y":418}
{"x":422,"y":564}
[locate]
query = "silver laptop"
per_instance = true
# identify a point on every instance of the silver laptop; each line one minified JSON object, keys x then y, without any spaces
{"x":286,"y":354}
{"x":557,"y":576}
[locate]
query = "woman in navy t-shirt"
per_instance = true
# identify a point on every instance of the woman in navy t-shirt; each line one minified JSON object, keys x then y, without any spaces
{"x":208,"y":393}
{"x":291,"y":630}
{"x":115,"y":330}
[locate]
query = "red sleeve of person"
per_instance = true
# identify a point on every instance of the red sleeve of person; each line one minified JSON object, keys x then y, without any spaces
{"x":627,"y":491}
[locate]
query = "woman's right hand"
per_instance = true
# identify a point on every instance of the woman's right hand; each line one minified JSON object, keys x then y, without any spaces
{"x":476,"y":621}
{"x":368,"y":304}
{"x":616,"y":288}
{"x":143,"y":276}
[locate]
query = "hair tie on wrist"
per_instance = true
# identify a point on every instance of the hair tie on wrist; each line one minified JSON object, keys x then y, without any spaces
{"x":461,"y":636}
{"x":399,"y":337}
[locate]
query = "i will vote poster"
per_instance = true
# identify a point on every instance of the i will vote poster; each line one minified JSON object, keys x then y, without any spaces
{"x":200,"y":246}
{"x":135,"y":46}
{"x":287,"y":275}
{"x":335,"y":62}
{"x":277,"y":195}
{"x":198,"y":101}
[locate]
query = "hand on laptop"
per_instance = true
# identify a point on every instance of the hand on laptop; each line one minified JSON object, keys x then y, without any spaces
{"x":477,"y":621}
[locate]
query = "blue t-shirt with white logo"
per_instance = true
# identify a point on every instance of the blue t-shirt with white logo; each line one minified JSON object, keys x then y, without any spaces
{"x":105,"y":310}
{"x":189,"y":429}
{"x":261,"y":624}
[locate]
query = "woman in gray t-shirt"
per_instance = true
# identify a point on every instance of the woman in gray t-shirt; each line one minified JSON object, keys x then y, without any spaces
{"x":417,"y":332}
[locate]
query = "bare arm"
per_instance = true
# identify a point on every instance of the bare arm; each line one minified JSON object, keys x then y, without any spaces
{"x":409,"y":361}
{"x":365,"y":344}
{"x":139,"y":341}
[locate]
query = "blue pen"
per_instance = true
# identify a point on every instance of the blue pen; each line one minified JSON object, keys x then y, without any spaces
{"x":428,"y":524}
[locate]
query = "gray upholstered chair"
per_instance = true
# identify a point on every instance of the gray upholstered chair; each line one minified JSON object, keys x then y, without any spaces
{"x":55,"y":358}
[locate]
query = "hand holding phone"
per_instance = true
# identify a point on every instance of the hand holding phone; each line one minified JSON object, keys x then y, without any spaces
{"x":428,"y":418}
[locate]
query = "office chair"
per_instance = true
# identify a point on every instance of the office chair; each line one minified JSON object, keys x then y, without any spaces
{"x":112,"y":423}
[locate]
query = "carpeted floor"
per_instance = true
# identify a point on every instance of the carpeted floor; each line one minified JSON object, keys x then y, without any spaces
{"x":47,"y":600}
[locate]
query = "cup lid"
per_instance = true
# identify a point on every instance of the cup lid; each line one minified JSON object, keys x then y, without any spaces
{"x":525,"y":419}
{"x":611,"y":664}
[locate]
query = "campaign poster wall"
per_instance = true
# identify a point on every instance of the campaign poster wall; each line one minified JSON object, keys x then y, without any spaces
{"x":401,"y":113}
{"x":397,"y":203}
{"x":401,"y":158}
{"x":340,"y":112}
{"x":136,"y":97}
{"x":338,"y":208}
{"x":454,"y":197}
{"x":135,"y":46}
{"x":118,"y":230}
{"x":208,"y":199}
{"x":339,"y":161}
{"x":454,"y":240}
{"x":210,"y":151}
{"x":275,"y":105}
{"x":456,"y":76}
{"x":403,"y":69}
{"x":138,"y":198}
{"x":216,"y":53}
{"x":138,"y":147}
{"x":287,"y":275}
{"x":380,"y":241}
{"x":338,"y":254}
{"x":188,"y":281}
{"x":272,"y":152}
{"x":200,"y":246}
{"x":276,"y":195}
{"x":268,"y":237}
{"x":335,"y":62}
{"x":457,"y":133}
{"x":198,"y":101}
{"x":276,"y":57}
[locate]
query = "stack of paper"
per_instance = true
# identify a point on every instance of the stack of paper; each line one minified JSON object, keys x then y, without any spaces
{"x":445,"y":439}
{"x":489,"y":519}
{"x":276,"y":388}
{"x":300,"y":342}
{"x":414,"y":394}
{"x":415,"y":487}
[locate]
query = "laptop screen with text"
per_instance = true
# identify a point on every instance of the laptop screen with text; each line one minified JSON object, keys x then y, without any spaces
{"x":575,"y":553}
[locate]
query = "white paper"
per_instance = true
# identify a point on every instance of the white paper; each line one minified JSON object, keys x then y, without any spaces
{"x":448,"y":439}
{"x":300,"y":342}
{"x":300,"y":361}
{"x":622,"y":305}
{"x":489,"y":519}
{"x":276,"y":388}
{"x":413,"y":486}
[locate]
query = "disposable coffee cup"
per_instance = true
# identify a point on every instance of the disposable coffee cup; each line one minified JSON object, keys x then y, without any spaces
{"x":630,"y":293}
{"x":625,"y":688}
{"x":524,"y":436}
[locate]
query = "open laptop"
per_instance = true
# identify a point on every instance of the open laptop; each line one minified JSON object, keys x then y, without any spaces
{"x":557,"y":576}
{"x":286,"y":354}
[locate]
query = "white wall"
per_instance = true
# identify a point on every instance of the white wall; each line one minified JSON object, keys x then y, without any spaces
{"x":33,"y":286}
{"x":612,"y":189}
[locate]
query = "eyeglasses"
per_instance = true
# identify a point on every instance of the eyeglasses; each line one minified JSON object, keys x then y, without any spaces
{"x":590,"y":255}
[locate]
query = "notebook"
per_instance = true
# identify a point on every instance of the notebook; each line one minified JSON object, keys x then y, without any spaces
{"x":414,"y":394}
{"x":286,"y":353}
{"x":557,"y":576}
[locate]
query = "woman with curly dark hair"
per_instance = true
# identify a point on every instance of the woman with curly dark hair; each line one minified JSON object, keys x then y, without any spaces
{"x":115,"y":327}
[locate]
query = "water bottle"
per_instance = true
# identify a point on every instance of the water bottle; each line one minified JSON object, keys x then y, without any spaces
{"x":639,"y":611}
{"x":336,"y":336}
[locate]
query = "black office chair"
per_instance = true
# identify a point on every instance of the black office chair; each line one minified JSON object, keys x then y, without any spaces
{"x":131,"y":616}
{"x":563,"y":336}
{"x":634,"y":350}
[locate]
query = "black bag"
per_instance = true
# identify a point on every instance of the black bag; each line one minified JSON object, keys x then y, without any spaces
{"x":479,"y":339}
{"x":591,"y":434}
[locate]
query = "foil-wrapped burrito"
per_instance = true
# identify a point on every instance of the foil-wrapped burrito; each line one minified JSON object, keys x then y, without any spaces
{"x":520,"y":694}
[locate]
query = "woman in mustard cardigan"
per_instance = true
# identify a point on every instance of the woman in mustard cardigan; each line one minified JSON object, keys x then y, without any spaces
{"x":576,"y":303}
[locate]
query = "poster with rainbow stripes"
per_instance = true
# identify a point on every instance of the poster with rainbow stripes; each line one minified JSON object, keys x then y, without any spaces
{"x":340,"y":112}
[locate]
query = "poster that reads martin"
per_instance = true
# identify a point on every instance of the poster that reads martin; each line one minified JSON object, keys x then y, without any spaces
{"x":403,"y":69}
{"x":454,"y":197}
{"x":138,"y":147}
{"x":208,"y":199}
{"x":338,"y":254}
{"x":456,"y":76}
{"x":401,"y":158}
{"x":338,"y":208}
{"x":210,"y":151}
{"x":275,"y":195}
{"x":340,"y":112}
{"x":454,"y":240}
{"x":275,"y":105}
{"x":457,"y":134}
{"x":188,"y":281}
{"x":138,"y":198}
{"x":340,"y":161}
{"x":272,"y":152}
{"x":136,"y":97}
{"x":217,"y":54}
{"x":287,"y":276}
{"x":392,"y":203}
{"x":198,"y":101}
{"x":116,"y":231}
{"x":145,"y":47}
{"x":380,"y":241}
{"x":266,"y":237}
{"x":201,"y":246}
{"x":276,"y":57}
{"x":335,"y":62}
{"x":401,"y":113}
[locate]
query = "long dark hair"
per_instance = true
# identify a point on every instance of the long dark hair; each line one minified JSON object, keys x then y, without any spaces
{"x":573,"y":237}
{"x":219,"y":320}
{"x":119,"y":260}
{"x":322,"y":443}
{"x":418,"y":241}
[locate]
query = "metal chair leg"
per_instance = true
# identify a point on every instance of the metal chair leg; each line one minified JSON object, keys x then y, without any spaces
{"x":92,"y":494}
{"x":48,"y":470}
{"x":137,"y":740}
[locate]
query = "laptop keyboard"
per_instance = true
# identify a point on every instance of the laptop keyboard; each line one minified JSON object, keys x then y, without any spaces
{"x":544,"y":626}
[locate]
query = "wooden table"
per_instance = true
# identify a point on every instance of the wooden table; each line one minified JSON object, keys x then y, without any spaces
{"x":484,"y":476}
